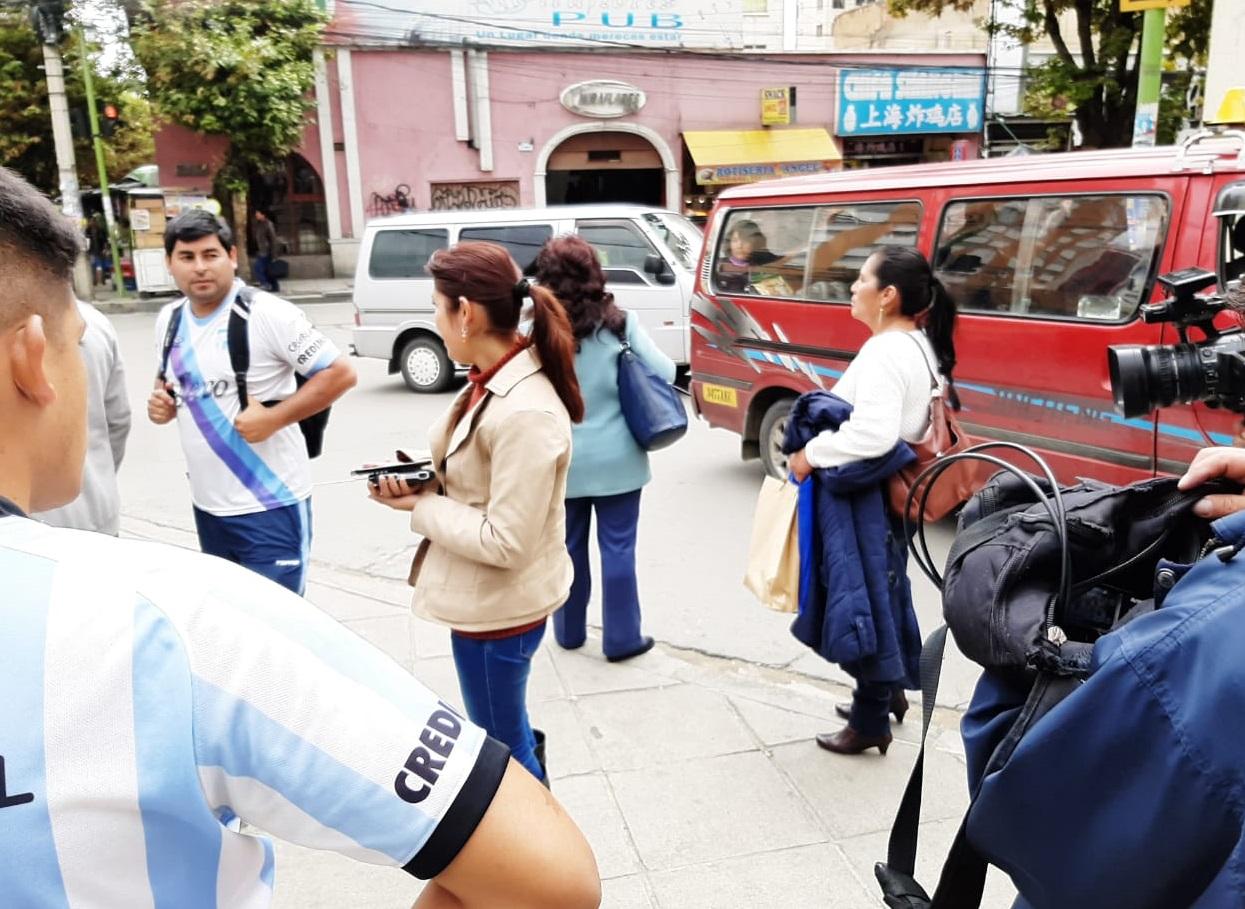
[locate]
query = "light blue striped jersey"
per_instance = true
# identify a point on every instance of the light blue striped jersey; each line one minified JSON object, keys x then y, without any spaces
{"x":153,"y":697}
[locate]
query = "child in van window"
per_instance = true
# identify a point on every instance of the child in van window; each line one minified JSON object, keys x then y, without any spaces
{"x":746,"y":249}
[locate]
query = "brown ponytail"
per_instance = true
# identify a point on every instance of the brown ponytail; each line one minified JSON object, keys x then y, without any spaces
{"x":555,"y":343}
{"x":485,"y":274}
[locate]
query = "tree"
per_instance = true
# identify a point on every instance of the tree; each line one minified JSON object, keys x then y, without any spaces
{"x":237,"y":68}
{"x":26,"y":129}
{"x":1094,"y":69}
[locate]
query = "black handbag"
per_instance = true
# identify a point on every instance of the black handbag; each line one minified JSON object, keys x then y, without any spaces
{"x":650,"y":405}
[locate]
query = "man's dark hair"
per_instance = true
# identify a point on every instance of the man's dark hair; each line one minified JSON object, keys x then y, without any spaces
{"x":196,"y":224}
{"x":32,"y":231}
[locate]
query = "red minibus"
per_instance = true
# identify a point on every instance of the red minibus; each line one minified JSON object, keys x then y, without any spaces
{"x":1049,"y":258}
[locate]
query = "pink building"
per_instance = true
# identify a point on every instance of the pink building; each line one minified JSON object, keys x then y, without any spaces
{"x":449,"y":128}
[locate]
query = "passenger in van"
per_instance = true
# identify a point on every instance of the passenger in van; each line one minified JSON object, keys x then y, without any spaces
{"x":888,"y":384}
{"x":608,"y":468}
{"x":493,"y":563}
{"x":747,"y":248}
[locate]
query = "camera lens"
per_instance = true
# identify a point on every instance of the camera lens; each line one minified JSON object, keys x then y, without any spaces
{"x":1144,"y":378}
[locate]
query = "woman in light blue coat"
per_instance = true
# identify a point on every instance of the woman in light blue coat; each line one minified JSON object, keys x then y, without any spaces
{"x":608,"y":469}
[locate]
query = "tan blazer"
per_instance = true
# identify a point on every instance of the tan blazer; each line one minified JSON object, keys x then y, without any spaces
{"x":494,"y":554}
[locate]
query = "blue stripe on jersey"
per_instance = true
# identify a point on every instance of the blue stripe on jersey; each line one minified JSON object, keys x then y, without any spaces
{"x":270,"y":860}
{"x":26,"y":832}
{"x":183,"y":837}
{"x":325,"y":360}
{"x":349,"y":655}
{"x":222,"y":437}
{"x":241,"y":740}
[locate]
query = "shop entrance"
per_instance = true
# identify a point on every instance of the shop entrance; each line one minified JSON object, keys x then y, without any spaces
{"x":605,"y":167}
{"x":293,"y":196}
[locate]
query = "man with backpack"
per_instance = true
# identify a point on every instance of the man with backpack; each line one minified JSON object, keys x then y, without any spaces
{"x":240,"y":369}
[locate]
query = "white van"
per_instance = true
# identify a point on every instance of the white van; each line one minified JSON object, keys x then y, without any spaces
{"x":648,"y":255}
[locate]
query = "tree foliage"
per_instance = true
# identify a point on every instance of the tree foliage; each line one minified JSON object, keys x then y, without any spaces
{"x":238,"y":68}
{"x":1094,"y":69}
{"x":26,"y":143}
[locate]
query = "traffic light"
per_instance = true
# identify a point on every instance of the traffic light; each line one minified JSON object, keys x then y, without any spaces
{"x":109,"y":115}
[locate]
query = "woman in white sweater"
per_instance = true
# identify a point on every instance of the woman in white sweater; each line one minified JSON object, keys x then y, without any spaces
{"x":888,"y":385}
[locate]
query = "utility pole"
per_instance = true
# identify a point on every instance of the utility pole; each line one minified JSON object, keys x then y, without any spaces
{"x":105,"y":194}
{"x":47,"y":21}
{"x":1149,"y":77}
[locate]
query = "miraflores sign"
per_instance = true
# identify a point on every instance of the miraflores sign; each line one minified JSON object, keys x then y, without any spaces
{"x":603,"y":98}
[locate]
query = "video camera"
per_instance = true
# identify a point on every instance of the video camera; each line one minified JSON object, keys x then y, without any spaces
{"x":1146,"y":377}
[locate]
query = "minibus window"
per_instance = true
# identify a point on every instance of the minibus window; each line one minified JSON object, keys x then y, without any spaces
{"x":1230,"y":212}
{"x":1082,"y":257}
{"x":522,"y":241}
{"x":845,"y":235}
{"x":404,"y":253}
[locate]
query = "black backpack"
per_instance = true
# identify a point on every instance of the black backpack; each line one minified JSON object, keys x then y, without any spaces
{"x":240,"y":362}
{"x":1037,"y":573}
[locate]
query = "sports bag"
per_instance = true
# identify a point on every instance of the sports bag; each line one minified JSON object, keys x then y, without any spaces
{"x":944,"y":437}
{"x":239,"y":342}
{"x":1037,"y":573}
{"x":650,"y":405}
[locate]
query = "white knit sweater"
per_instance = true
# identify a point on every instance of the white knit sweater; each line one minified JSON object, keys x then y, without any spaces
{"x":888,"y":387}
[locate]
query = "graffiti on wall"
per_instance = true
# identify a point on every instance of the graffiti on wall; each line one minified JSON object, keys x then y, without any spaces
{"x":393,"y":203}
{"x":486,"y":194}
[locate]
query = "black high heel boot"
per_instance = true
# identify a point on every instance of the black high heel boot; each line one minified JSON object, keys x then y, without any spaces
{"x":539,"y":751}
{"x":899,"y":706}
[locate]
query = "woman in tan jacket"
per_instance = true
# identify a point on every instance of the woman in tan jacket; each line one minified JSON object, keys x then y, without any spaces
{"x":493,"y":562}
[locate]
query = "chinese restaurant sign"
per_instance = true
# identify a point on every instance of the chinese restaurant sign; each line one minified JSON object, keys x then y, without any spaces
{"x":894,"y":102}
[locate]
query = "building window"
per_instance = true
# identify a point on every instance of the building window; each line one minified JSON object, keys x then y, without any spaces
{"x":821,"y":4}
{"x":1079,"y":257}
{"x":818,"y":29}
{"x":756,"y":7}
{"x":837,"y":4}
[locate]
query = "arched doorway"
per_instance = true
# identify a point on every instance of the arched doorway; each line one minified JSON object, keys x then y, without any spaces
{"x":605,"y":166}
{"x":293,"y":195}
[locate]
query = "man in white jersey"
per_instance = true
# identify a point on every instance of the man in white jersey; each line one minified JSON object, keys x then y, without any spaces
{"x":250,"y":476}
{"x":155,"y":698}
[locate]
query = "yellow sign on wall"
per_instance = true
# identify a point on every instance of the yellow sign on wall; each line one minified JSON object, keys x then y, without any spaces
{"x":1138,"y":6}
{"x":775,"y":106}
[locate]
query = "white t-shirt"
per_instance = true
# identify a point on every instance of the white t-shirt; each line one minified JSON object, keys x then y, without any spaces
{"x":154,"y":697}
{"x":888,"y":386}
{"x":228,"y":475}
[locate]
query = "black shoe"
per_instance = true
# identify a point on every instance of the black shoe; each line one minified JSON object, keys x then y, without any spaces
{"x":848,"y":741}
{"x":539,"y":751}
{"x":646,"y":644}
{"x":899,"y":706}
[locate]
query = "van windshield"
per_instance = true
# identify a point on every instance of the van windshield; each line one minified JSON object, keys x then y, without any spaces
{"x":679,"y":235}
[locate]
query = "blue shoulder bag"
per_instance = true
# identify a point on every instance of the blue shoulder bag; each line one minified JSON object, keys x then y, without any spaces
{"x":650,"y":405}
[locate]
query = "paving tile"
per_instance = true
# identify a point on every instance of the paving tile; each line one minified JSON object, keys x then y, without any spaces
{"x":589,"y":801}
{"x":585,"y":671}
{"x":438,"y":674}
{"x":713,"y":808}
{"x":776,"y":725}
{"x":567,"y":751}
{"x":544,"y":684}
{"x":633,"y":729}
{"x":857,"y":794}
{"x":805,"y":877}
{"x":429,"y":639}
{"x":388,"y":633}
{"x":625,"y":893}
{"x":345,"y":606}
{"x":933,"y":843}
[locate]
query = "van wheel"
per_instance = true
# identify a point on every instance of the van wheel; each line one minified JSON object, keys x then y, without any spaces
{"x":773,"y":428}
{"x":425,"y":366}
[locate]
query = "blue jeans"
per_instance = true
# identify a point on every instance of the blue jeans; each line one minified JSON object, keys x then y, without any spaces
{"x":617,"y":517}
{"x":262,"y":276}
{"x":871,"y":706}
{"x":492,"y":675}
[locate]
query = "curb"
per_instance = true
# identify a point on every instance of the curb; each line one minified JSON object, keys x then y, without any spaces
{"x":115,"y":307}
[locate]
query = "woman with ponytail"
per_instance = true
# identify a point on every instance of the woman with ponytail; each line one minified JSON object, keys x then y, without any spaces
{"x":493,"y":563}
{"x":888,"y":385}
{"x":609,"y":469}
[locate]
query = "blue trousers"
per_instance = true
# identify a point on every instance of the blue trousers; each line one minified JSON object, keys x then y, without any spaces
{"x":871,"y":705}
{"x":276,"y":543}
{"x":262,"y":276}
{"x":492,"y":675}
{"x":617,"y":517}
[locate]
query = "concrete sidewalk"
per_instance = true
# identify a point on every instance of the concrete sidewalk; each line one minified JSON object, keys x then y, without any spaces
{"x":302,"y":291}
{"x":695,"y":777}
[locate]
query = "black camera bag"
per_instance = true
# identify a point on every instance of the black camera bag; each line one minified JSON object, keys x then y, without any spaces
{"x":1014,"y":609}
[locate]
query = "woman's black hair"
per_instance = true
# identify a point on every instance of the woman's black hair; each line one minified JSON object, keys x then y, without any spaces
{"x":921,"y":296}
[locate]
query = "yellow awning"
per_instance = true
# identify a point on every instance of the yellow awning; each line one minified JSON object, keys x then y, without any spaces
{"x":745,"y":156}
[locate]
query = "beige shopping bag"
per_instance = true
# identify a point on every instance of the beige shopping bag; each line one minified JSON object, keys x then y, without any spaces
{"x":773,"y":573}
